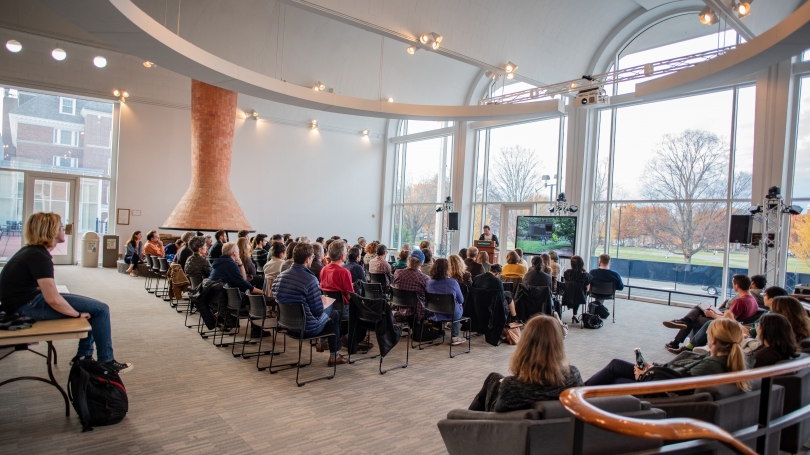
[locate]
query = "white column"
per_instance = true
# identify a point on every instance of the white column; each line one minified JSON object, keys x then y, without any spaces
{"x":463,"y":183}
{"x":580,"y":170}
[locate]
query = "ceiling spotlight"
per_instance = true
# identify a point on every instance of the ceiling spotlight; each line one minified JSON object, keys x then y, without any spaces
{"x":793,"y":210}
{"x":510,"y":76}
{"x":488,"y":74}
{"x":251,"y":114}
{"x":424,"y":38}
{"x":754,"y":209}
{"x":573,"y":85}
{"x":551,"y":209}
{"x":365,"y":133}
{"x":100,"y":62}
{"x":412,"y":49}
{"x":314,"y":124}
{"x":435,"y":45}
{"x":510,"y":67}
{"x":117,"y":92}
{"x":13,"y":45}
{"x":59,"y":54}
{"x":742,"y":9}
{"x":708,"y":17}
{"x":436,"y":37}
{"x":390,"y":100}
{"x":573,"y":208}
{"x":125,"y":94}
{"x":149,"y":64}
{"x":255,"y":114}
{"x":318,"y":87}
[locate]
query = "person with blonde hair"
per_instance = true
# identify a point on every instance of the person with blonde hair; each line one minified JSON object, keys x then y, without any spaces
{"x":458,"y":271}
{"x":513,"y":267}
{"x":28,"y":288}
{"x":483,"y":259}
{"x":371,"y":253}
{"x":540,"y":371}
{"x":249,"y":268}
{"x":725,"y":355}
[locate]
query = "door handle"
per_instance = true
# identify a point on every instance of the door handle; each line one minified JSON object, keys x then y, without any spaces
{"x":69,"y":229}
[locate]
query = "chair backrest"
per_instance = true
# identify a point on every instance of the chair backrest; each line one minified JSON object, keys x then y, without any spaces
{"x":440,"y":303}
{"x":148,"y":261}
{"x":600,"y":287}
{"x":404,"y":299}
{"x":291,"y":315}
{"x":368,"y":310}
{"x":507,"y":286}
{"x":155,"y":264}
{"x":163,"y":264}
{"x":378,"y":278}
{"x":373,"y":290}
{"x":258,"y":306}
{"x":515,"y":280}
{"x":338,"y":296}
{"x":195,"y":282}
{"x":234,"y":299}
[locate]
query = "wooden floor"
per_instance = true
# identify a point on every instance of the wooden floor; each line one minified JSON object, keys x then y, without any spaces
{"x":187,"y":396}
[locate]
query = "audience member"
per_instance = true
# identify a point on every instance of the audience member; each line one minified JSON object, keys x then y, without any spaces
{"x":441,"y":283}
{"x":425,"y":245}
{"x":758,"y":283}
{"x":319,"y":240}
{"x":483,"y":259}
{"x":402,"y":260}
{"x":540,"y":369}
{"x":536,"y":276}
{"x":286,"y":237}
{"x":492,"y":281}
{"x":209,"y":243}
{"x":197,"y":264}
{"x":412,"y":279}
{"x":603,"y":273}
{"x":278,"y":253}
{"x":519,"y":252}
{"x":725,"y":355}
{"x":185,"y":252}
{"x":28,"y":288}
{"x":335,"y":277}
{"x":249,"y":267}
{"x":513,"y":268}
{"x":371,"y":253}
{"x":230,"y":269}
{"x":473,"y":267}
{"x":555,"y":267}
{"x":767,"y":299}
{"x":153,"y":245}
{"x":173,"y":248}
{"x":242,"y":233}
{"x":353,"y":265}
{"x":794,"y":312}
{"x":298,"y":286}
{"x":547,"y":264}
{"x":744,"y":307}
{"x":379,"y":264}
{"x":362,"y":242}
{"x":577,"y":284}
{"x":215,"y":250}
{"x":134,"y":254}
{"x":428,"y":261}
{"x":458,"y":271}
{"x":259,"y":252}
{"x":778,"y":342}
{"x":289,"y":262}
{"x":317,"y":255}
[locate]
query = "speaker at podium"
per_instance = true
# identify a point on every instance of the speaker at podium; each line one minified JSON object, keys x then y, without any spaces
{"x":490,"y":247}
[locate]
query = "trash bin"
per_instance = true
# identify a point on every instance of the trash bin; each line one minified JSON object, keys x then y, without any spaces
{"x":90,"y":249}
{"x":109,"y":257}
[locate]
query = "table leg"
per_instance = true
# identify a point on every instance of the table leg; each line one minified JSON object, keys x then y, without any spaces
{"x":51,"y":349}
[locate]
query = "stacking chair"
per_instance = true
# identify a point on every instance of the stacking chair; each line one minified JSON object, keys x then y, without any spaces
{"x":155,"y":269}
{"x":257,"y":316}
{"x":213,"y":295}
{"x":162,"y":272}
{"x":148,"y":282}
{"x":378,"y":278}
{"x":373,"y":290}
{"x":233,"y":308}
{"x":406,"y":299}
{"x":604,"y":290}
{"x":338,"y":305}
{"x":369,"y":313}
{"x":446,"y":304}
{"x":292,"y":321}
{"x":194,"y":283}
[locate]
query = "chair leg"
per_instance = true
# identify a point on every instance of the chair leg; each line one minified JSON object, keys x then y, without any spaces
{"x":405,"y":365}
{"x":614,"y":308}
{"x":469,"y":341}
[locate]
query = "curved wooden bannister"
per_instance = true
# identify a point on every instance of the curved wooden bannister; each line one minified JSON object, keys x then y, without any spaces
{"x":668,"y":429}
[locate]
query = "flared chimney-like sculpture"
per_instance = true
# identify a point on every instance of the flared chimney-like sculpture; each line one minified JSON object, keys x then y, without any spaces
{"x":209,"y":204}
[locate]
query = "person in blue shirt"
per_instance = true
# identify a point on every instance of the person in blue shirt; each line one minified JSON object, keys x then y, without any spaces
{"x":441,"y":283}
{"x":298,"y":285}
{"x":603,"y":273}
{"x":354,"y":266}
{"x":231,"y":271}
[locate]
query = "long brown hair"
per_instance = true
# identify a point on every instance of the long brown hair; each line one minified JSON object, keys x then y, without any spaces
{"x":540,"y":355}
{"x":794,"y":312}
{"x":244,"y":248}
{"x":42,"y":229}
{"x":132,"y":239}
{"x":457,"y":267}
{"x":728,"y":335}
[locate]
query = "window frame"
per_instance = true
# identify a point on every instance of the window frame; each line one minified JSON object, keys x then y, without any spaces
{"x":62,"y":100}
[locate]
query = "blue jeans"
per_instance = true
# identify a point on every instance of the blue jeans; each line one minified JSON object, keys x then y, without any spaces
{"x":701,"y":338}
{"x":99,"y":321}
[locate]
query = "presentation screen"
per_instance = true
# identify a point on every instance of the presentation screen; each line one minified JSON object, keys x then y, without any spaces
{"x":541,"y":234}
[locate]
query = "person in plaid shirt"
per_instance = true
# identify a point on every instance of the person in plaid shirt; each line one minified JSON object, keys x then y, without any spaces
{"x":379,"y":264}
{"x":412,"y":279}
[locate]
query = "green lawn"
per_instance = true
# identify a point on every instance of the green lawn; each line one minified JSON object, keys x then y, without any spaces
{"x":736,"y":259}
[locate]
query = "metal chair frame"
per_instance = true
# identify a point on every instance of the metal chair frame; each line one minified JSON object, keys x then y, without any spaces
{"x":603,"y":295}
{"x":194,"y":283}
{"x":147,"y":284}
{"x":406,"y":299}
{"x":162,"y":271}
{"x":233,"y":308}
{"x":446,"y":304}
{"x":258,"y":313}
{"x":292,"y":317}
{"x":373,"y":318}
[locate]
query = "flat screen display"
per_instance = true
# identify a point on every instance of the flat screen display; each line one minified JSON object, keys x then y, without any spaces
{"x":541,"y":234}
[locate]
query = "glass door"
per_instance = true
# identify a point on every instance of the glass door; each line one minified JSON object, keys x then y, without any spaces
{"x":509,"y":214}
{"x":46,"y":194}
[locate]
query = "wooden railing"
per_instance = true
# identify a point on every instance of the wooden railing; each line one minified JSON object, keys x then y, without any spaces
{"x":574,"y":400}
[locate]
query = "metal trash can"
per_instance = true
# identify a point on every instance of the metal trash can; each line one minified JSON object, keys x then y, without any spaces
{"x":109,"y":256}
{"x":90,"y":249}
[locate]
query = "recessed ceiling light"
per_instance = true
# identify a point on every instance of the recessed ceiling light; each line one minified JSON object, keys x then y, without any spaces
{"x":59,"y":54}
{"x":365,"y":133}
{"x":13,"y":45}
{"x":100,"y":62}
{"x":319,"y":87}
{"x":149,"y":64}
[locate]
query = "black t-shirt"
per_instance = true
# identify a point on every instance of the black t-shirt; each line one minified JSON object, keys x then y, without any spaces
{"x":18,"y":280}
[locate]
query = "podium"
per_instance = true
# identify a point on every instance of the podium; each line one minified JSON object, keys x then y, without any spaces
{"x":489,"y":247}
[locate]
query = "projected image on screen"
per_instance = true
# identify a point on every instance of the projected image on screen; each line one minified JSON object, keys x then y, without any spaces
{"x":541,"y":234}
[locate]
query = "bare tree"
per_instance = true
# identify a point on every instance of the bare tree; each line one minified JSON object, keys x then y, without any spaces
{"x":418,"y":219}
{"x":515,"y":175}
{"x":686,"y":167}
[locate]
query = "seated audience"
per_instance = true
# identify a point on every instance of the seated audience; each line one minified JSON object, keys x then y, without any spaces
{"x":758,"y":283}
{"x":519,"y":252}
{"x":407,"y":247}
{"x":209,"y":243}
{"x":335,"y":277}
{"x":778,"y":342}
{"x":378,"y":264}
{"x":289,"y":262}
{"x":513,"y":267}
{"x":725,"y":355}
{"x":278,"y":253}
{"x":603,"y":273}
{"x":794,"y":312}
{"x":540,"y":369}
{"x":317,"y":255}
{"x":412,"y":279}
{"x":362,"y":242}
{"x":462,"y":253}
{"x":473,"y":267}
{"x":767,"y":299}
{"x":425,"y":245}
{"x":299,"y":286}
{"x":577,"y":284}
{"x":483,"y":259}
{"x":441,"y":283}
{"x":492,"y":281}
{"x":173,"y":248}
{"x":28,"y":288}
{"x":259,"y":252}
{"x":185,"y":252}
{"x":744,"y":307}
{"x":215,"y":250}
{"x":402,"y":259}
{"x":249,"y":267}
{"x":153,"y":245}
{"x":134,"y":254}
{"x":230,"y":269}
{"x":371,"y":253}
{"x":319,"y":240}
{"x":428,"y":261}
{"x":242,"y":233}
{"x":536,"y":276}
{"x":353,"y":265}
{"x":555,"y":267}
{"x":197,"y":264}
{"x":458,"y":271}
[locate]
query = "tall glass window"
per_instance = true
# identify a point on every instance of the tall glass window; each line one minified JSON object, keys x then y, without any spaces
{"x":798,"y":262}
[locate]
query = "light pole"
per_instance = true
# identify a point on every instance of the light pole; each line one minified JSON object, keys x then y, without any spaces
{"x":545,"y":179}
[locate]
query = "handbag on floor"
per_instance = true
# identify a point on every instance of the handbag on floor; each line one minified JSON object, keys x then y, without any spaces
{"x":97,"y":394}
{"x":512,"y":332}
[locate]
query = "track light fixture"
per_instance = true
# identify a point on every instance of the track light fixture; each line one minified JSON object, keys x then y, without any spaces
{"x":121,"y":94}
{"x":13,"y":46}
{"x":365,"y":133}
{"x":149,"y":64}
{"x":251,"y":115}
{"x":708,"y":17}
{"x":510,"y":67}
{"x":412,"y":49}
{"x":432,"y":39}
{"x":319,"y":87}
{"x":510,"y":76}
{"x":742,"y":8}
{"x":314,"y":124}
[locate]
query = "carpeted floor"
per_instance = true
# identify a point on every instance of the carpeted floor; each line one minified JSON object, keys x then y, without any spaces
{"x":187,"y":396}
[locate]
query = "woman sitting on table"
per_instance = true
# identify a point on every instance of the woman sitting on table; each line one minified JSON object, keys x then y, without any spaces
{"x":541,"y":371}
{"x":134,"y":254}
{"x":28,"y":288}
{"x":513,"y":267}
